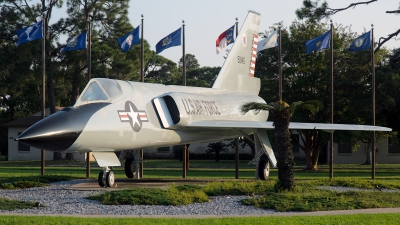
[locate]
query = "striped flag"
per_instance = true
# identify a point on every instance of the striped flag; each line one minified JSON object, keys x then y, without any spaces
{"x":225,"y":39}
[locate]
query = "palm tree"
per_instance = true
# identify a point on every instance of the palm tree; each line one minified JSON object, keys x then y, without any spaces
{"x":282,"y":112}
{"x":217,"y":147}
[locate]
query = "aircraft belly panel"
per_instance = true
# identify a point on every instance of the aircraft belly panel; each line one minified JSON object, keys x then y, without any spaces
{"x":208,"y":136}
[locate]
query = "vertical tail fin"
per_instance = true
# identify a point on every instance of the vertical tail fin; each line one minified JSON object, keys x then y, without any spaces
{"x":237,"y":73}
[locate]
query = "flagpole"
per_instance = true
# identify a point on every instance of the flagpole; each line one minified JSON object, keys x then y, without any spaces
{"x":89,"y":54}
{"x":373,"y":101}
{"x":280,"y":62}
{"x":237,"y":139}
{"x":183,"y":53}
{"x":331,"y":97}
{"x":43,"y":153}
{"x":237,"y":29}
{"x":186,"y":152}
{"x":142,"y":51}
{"x":89,"y":66}
{"x":142,"y":79}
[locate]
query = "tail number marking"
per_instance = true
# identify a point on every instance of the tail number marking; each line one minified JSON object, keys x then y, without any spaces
{"x":241,"y":59}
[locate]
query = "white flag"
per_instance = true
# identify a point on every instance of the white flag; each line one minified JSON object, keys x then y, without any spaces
{"x":269,"y":42}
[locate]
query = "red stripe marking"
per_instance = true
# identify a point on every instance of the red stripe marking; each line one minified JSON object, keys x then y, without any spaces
{"x":221,"y":36}
{"x":254,"y":55}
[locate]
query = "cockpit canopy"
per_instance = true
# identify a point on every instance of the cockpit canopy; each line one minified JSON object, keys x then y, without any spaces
{"x":101,"y":89}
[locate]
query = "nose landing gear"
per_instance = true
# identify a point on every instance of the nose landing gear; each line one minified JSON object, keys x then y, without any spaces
{"x":106,"y":178}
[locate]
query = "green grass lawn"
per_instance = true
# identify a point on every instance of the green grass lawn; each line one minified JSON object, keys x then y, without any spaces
{"x":358,"y":219}
{"x":348,"y":174}
{"x":197,"y":169}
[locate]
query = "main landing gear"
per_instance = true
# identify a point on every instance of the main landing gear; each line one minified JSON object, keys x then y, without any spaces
{"x":263,"y":168}
{"x":264,"y":155}
{"x":131,"y":167}
{"x":106,"y":178}
{"x":132,"y":163}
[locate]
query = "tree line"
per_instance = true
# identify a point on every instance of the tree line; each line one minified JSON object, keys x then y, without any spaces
{"x":352,"y":89}
{"x":306,"y":77}
{"x":66,"y":73}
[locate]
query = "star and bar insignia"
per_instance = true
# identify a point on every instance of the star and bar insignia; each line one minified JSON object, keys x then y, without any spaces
{"x":132,"y":115}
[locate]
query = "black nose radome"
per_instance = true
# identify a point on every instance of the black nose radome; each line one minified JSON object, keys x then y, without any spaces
{"x":60,"y":130}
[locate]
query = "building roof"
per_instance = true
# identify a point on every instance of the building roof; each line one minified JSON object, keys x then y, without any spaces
{"x":30,"y":120}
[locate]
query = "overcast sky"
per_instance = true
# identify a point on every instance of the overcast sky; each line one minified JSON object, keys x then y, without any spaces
{"x":206,"y":19}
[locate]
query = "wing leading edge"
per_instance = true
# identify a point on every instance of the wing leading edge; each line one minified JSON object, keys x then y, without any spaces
{"x":229,"y":124}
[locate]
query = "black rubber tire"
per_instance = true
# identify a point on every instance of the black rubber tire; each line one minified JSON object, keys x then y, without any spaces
{"x":102,"y":182}
{"x":110,"y":179}
{"x":263,"y":168}
{"x":130,"y":170}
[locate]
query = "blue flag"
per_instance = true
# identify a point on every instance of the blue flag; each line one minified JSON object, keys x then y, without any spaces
{"x":319,"y":42}
{"x":173,"y":39}
{"x":125,"y":42}
{"x":361,"y":43}
{"x":31,"y":33}
{"x":75,"y":43}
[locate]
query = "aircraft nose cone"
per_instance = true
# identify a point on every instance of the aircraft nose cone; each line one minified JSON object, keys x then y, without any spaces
{"x":60,"y":130}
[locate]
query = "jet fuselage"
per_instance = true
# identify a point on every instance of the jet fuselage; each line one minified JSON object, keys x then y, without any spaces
{"x":114,"y":115}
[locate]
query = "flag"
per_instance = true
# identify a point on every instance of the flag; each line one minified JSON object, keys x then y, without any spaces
{"x":173,"y":39}
{"x":76,"y":43}
{"x":125,"y":42}
{"x":225,"y":39}
{"x":31,"y":33}
{"x":269,"y":42}
{"x":361,"y":43}
{"x":319,"y":42}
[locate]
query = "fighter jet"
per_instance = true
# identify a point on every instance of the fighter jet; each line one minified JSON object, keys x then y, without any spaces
{"x":115,"y":115}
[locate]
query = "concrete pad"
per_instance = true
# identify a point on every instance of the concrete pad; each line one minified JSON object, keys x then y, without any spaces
{"x":126,"y":183}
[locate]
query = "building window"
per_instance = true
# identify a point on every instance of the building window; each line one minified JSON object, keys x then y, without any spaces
{"x":295,"y":139}
{"x":343,"y":148}
{"x":23,"y":147}
{"x":163,"y":150}
{"x":393,"y":147}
